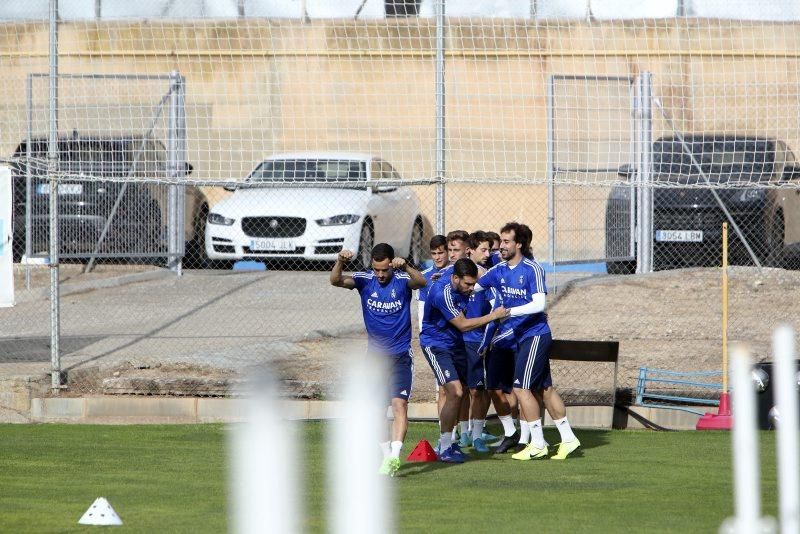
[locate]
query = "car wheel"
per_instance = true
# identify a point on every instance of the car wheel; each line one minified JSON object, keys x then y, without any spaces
{"x":196,"y":257}
{"x":775,"y":240}
{"x":365,"y":244}
{"x":415,"y":249}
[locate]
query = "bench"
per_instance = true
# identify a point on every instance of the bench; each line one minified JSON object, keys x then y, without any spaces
{"x":588,"y":351}
{"x":676,"y":390}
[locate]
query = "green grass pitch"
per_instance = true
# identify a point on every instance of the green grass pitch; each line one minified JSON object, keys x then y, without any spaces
{"x":173,"y":479}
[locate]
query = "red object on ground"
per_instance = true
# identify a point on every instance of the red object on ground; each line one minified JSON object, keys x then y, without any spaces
{"x":722,"y":420}
{"x":423,"y":452}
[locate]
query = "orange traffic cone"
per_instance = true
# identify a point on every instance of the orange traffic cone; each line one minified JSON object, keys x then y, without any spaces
{"x":423,"y":452}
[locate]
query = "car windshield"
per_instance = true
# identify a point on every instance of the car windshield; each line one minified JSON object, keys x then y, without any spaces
{"x":309,"y":170}
{"x":106,"y":157}
{"x":720,"y":157}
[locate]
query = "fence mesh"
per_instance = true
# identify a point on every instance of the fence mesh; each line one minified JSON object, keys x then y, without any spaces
{"x":308,"y":135}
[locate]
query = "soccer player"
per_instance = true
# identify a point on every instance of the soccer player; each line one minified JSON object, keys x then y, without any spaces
{"x":520,"y":280}
{"x":443,"y":344}
{"x":438,"y":250}
{"x":385,"y":293}
{"x":494,"y":257}
{"x":475,"y":343}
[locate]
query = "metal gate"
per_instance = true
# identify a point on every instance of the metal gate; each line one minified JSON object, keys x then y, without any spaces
{"x":592,"y":131}
{"x":121,"y":153}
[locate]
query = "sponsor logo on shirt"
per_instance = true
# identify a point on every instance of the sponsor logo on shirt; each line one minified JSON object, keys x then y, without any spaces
{"x":514,"y":292}
{"x":381,"y":306}
{"x":404,"y":392}
{"x":374,"y":294}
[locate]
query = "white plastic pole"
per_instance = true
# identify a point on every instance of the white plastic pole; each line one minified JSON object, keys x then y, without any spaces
{"x":747,"y":485}
{"x":265,"y":475}
{"x":785,"y":382}
{"x":359,"y":498}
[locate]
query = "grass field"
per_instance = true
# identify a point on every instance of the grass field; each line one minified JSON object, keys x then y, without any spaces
{"x":173,"y":479}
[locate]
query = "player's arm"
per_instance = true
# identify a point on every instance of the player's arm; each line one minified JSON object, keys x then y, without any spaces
{"x":417,"y":279}
{"x":536,"y":305}
{"x":337,"y":278}
{"x":465,"y":325}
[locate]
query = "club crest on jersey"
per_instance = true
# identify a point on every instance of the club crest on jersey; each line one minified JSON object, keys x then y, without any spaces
{"x":394,"y":294}
{"x":521,"y":280}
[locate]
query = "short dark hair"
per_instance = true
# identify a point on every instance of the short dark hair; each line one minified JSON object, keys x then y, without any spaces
{"x":438,"y":241}
{"x":478,"y":237}
{"x":493,"y":236}
{"x":465,"y":267}
{"x":522,"y":235}
{"x":382,"y":251}
{"x":458,"y":235}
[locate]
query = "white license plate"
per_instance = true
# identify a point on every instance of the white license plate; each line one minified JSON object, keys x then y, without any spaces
{"x":683,"y":236}
{"x":63,"y":189}
{"x":268,"y":245}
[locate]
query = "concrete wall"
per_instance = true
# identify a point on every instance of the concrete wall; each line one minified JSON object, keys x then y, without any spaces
{"x":260,"y":86}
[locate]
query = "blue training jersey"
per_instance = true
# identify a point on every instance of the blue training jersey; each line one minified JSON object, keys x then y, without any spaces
{"x":387,"y":311}
{"x":444,"y":303}
{"x":479,"y":305}
{"x":517,"y":285}
{"x":428,"y":273}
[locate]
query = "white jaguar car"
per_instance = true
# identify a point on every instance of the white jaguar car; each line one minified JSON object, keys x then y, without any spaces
{"x":316,"y":223}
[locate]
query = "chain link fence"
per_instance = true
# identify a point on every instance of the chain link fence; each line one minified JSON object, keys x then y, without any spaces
{"x":209,"y":171}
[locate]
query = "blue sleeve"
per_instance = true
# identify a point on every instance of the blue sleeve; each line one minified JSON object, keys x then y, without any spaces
{"x":488,"y":279}
{"x":491,"y":328}
{"x":443,"y":301}
{"x":360,"y":280}
{"x":536,"y":282}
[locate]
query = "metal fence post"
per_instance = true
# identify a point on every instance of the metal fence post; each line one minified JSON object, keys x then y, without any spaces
{"x":52,"y":168}
{"x":551,"y":186}
{"x":644,"y":158}
{"x":440,"y":116}
{"x":176,"y":158}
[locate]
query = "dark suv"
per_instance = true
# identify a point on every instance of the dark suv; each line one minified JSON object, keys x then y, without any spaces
{"x":687,"y":220}
{"x":139,"y":225}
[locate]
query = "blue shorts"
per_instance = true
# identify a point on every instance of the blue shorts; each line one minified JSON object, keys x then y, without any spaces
{"x":500,"y":369}
{"x":532,"y":363}
{"x":401,"y":374}
{"x":476,"y":367}
{"x":448,"y":365}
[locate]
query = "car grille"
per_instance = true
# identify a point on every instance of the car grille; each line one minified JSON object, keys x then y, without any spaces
{"x":668,"y":219}
{"x":295,"y":251}
{"x":273,"y":226}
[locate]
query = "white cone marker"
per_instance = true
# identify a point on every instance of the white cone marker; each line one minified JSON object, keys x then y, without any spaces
{"x":100,"y":513}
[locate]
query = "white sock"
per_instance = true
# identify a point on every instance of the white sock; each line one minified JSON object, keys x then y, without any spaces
{"x":537,"y":436}
{"x":508,"y":425}
{"x":454,"y":433}
{"x":477,"y":428}
{"x":445,"y":440}
{"x":565,"y":430}
{"x":524,"y":433}
{"x":396,"y":446}
{"x":463,"y":427}
{"x":385,"y":449}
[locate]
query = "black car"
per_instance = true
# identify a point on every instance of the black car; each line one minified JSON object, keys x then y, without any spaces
{"x":687,"y":219}
{"x":86,"y":199}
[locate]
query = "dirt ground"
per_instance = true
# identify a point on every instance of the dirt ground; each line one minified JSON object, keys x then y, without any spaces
{"x":666,"y":320}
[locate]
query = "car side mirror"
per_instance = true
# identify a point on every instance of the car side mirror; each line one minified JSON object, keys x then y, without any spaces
{"x":627,"y":171}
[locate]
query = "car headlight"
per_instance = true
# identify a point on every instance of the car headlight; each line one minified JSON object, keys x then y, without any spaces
{"x":338,"y":220}
{"x":752,"y":195}
{"x":216,"y":218}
